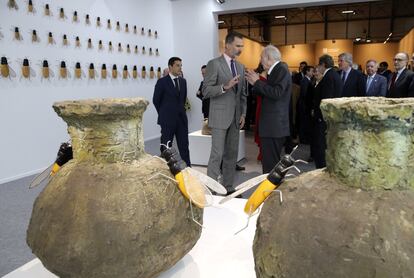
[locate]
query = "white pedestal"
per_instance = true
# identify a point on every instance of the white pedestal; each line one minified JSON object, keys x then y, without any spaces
{"x":218,"y":253}
{"x":200,"y":147}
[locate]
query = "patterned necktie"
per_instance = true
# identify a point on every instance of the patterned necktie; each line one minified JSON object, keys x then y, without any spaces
{"x":177,"y":86}
{"x":233,"y":68}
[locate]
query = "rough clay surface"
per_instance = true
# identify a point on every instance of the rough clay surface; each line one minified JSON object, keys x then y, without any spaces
{"x":326,"y":229}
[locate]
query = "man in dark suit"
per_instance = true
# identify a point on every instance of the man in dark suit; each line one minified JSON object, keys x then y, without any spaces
{"x":224,"y":85}
{"x":298,"y":76}
{"x":353,"y":80}
{"x":303,"y":109}
{"x":169,"y":98}
{"x":402,"y":81}
{"x":274,"y":115}
{"x":376,"y":83}
{"x":205,"y":102}
{"x":330,"y":86}
{"x":384,"y":71}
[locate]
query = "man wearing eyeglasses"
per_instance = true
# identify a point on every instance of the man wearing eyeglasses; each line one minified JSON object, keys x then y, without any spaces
{"x":402,"y":80}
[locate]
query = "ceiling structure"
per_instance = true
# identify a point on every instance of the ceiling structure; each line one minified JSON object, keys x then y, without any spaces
{"x":365,"y":22}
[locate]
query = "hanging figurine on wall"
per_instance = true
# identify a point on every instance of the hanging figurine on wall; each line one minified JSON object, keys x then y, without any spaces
{"x":143,"y":50}
{"x":91,"y":71}
{"x":62,"y":14}
{"x":90,"y":43}
{"x":108,"y":24}
{"x":17,"y":35}
{"x":150,"y":51}
{"x":159,"y":72}
{"x":110,"y":46}
{"x":30,"y":8}
{"x":135,"y":72}
{"x":143,"y":72}
{"x":128,"y":49}
{"x":119,"y":47}
{"x":78,"y":71}
{"x":114,"y":72}
{"x":103,"y":71}
{"x":149,"y":33}
{"x":142,"y":31}
{"x":63,"y":73}
{"x":35,"y":38}
{"x":156,"y":34}
{"x":47,"y":10}
{"x":136,"y":49}
{"x":126,"y":28}
{"x":77,"y":42}
{"x":75,"y":17}
{"x":5,"y":70}
{"x":50,"y":39}
{"x":125,"y":73}
{"x":46,"y":71}
{"x":27,"y":71}
{"x":87,"y":19}
{"x":12,"y":4}
{"x":98,"y":21}
{"x":152,"y":73}
{"x":65,"y":41}
{"x":118,"y":26}
{"x":135,"y":29}
{"x":157,"y":53}
{"x":100,"y":45}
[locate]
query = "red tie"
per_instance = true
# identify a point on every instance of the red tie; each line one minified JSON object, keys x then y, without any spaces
{"x":394,"y":77}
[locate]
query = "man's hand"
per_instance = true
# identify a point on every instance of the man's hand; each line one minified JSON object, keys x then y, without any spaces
{"x":241,"y":123}
{"x":251,"y":76}
{"x":232,"y":82}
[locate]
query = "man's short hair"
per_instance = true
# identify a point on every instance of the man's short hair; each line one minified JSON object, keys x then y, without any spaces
{"x":272,"y":51}
{"x":307,"y":68}
{"x":326,"y":60}
{"x":303,"y":63}
{"x":231,"y":36}
{"x":203,"y":66}
{"x":347,"y":57}
{"x":384,"y":64}
{"x":371,"y":60}
{"x":172,"y":60}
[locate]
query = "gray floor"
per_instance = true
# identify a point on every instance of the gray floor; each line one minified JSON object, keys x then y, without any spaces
{"x":16,"y":202}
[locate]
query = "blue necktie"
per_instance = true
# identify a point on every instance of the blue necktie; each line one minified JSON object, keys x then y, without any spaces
{"x":233,"y":68}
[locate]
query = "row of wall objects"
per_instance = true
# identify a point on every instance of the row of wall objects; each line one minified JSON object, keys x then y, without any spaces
{"x":12,"y":4}
{"x":78,"y":44}
{"x":27,"y":71}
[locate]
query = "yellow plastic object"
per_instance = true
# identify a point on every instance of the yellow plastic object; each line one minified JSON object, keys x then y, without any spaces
{"x":55,"y":168}
{"x":190,"y":185}
{"x":259,"y":195}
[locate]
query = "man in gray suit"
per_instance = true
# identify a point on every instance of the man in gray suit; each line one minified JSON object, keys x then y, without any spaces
{"x":224,"y":85}
{"x":274,"y":115}
{"x":376,"y":83}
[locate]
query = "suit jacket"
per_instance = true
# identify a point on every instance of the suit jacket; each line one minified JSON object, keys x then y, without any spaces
{"x":387,"y":74}
{"x":378,"y":87}
{"x":330,"y":86}
{"x":205,"y":107}
{"x":169,"y":102}
{"x":403,"y":86}
{"x":224,"y":106}
{"x":276,"y":94}
{"x":355,"y":84}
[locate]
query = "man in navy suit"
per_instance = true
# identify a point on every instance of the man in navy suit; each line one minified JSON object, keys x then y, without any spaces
{"x":402,"y":81}
{"x":353,"y":80}
{"x":169,"y":98}
{"x":376,"y":83}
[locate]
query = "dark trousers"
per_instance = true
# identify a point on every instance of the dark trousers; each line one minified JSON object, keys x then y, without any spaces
{"x":318,"y":143}
{"x":271,"y":149}
{"x":181,"y":133}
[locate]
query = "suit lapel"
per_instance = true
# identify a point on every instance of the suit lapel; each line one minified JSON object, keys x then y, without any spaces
{"x":402,"y":75}
{"x":225,"y":67}
{"x":172,"y":86}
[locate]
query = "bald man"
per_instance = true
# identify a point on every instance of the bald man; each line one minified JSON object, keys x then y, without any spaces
{"x":401,"y":83}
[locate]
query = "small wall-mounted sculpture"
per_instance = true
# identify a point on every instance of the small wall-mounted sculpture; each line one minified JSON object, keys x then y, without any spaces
{"x":47,"y":10}
{"x":30,"y":8}
{"x":135,"y":72}
{"x":114,"y":72}
{"x":75,"y":17}
{"x":63,"y":71}
{"x":103,"y":71}
{"x":125,"y":73}
{"x":143,"y":72}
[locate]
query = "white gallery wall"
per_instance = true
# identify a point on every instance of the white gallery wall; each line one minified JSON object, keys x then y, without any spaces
{"x":30,"y":131}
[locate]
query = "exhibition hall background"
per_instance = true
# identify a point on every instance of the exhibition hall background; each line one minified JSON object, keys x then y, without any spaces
{"x":31,"y":131}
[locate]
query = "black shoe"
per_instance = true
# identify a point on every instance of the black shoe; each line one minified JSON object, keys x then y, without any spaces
{"x":240,"y":168}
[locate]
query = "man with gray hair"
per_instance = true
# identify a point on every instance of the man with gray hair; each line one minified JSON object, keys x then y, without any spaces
{"x":402,"y":81}
{"x":376,"y":84}
{"x":353,"y":80}
{"x":274,"y":114}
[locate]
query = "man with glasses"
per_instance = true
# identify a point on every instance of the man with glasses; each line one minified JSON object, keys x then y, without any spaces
{"x":402,"y":80}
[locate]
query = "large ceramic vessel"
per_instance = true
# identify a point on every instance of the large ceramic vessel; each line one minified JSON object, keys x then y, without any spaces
{"x":108,"y":212}
{"x":355,"y":218}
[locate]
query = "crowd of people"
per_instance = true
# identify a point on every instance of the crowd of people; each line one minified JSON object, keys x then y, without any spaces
{"x":277,"y":92}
